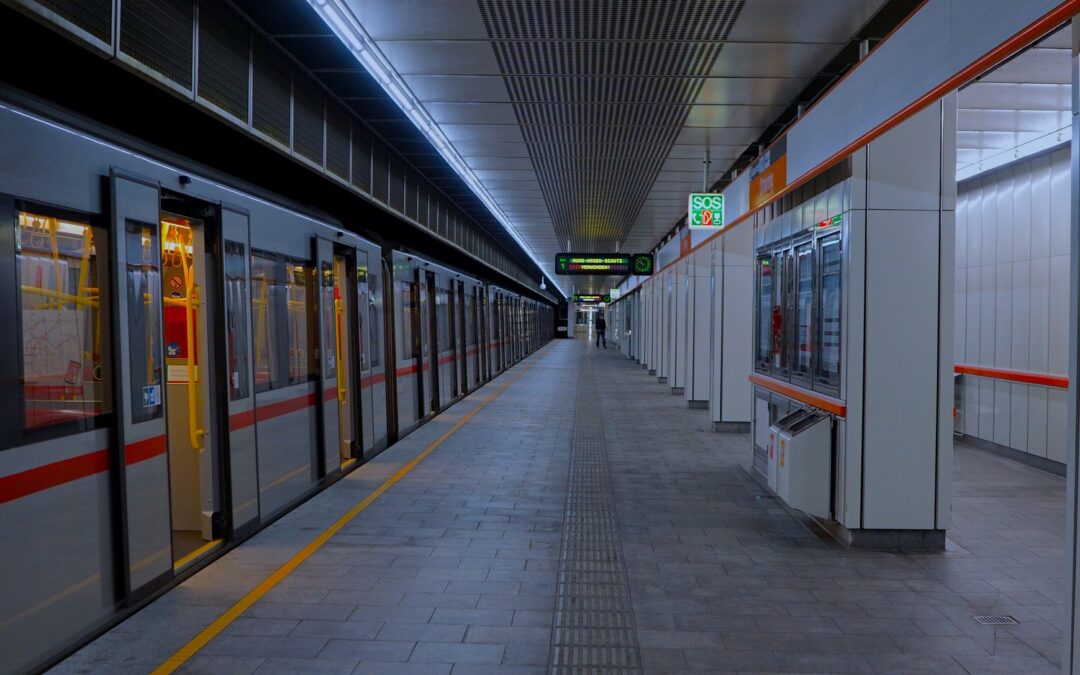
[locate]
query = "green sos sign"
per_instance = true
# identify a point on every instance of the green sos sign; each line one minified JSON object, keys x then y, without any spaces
{"x":706,"y":210}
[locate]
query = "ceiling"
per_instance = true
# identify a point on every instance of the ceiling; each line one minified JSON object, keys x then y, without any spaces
{"x":587,"y":121}
{"x":1021,"y":107}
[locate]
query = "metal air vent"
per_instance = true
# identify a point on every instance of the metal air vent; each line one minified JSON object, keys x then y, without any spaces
{"x":92,"y":16}
{"x":380,"y":171}
{"x":271,"y":95}
{"x":397,"y":185}
{"x":337,"y":140}
{"x":224,"y":44}
{"x":601,"y":90}
{"x":1003,"y":620}
{"x":308,"y":111}
{"x":410,"y":194}
{"x":159,"y":35}
{"x":361,"y":158}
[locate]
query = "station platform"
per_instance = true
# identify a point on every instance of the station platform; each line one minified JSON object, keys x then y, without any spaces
{"x":573,"y":514}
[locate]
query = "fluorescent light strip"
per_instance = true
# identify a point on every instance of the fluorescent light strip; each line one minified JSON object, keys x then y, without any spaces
{"x":341,"y":20}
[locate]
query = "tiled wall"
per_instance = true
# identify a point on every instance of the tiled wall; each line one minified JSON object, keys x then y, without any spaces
{"x":1012,"y":294}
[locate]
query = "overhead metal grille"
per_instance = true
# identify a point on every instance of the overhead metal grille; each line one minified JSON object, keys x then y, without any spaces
{"x":1002,"y":620}
{"x":224,"y":46}
{"x":271,"y":96}
{"x":308,"y":110}
{"x":422,"y":212}
{"x":337,"y":140}
{"x":380,"y":170}
{"x":397,"y":185}
{"x":158,"y":34}
{"x":93,"y":16}
{"x":410,"y":195}
{"x":361,"y":158}
{"x":601,"y":90}
{"x":593,"y":630}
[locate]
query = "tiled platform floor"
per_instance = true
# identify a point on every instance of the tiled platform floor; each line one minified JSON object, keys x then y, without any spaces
{"x":454,"y":568}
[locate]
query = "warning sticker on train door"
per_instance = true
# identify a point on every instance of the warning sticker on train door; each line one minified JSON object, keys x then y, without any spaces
{"x":151,"y":396}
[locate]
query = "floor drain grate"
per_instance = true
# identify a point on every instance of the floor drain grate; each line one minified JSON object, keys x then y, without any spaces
{"x":593,"y":629}
{"x":1003,"y":620}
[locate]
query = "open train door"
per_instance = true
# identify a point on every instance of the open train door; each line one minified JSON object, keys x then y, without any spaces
{"x":143,"y":465}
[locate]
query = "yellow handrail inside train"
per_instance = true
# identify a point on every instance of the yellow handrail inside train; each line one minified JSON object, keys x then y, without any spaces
{"x":189,"y":303}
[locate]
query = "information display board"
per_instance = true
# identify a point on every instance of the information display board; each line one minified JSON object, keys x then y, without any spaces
{"x":592,"y":263}
{"x":592,"y":299}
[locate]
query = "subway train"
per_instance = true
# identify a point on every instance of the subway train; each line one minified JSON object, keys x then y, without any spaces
{"x":185,"y":361}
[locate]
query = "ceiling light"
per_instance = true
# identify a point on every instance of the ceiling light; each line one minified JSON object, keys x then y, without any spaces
{"x":341,"y":20}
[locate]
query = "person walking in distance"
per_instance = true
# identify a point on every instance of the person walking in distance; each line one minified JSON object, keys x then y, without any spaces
{"x":601,"y":330}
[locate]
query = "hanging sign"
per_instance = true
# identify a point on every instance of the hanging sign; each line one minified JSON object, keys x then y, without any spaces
{"x":706,"y":211}
{"x":592,"y":263}
{"x":592,"y":299}
{"x":768,"y":174}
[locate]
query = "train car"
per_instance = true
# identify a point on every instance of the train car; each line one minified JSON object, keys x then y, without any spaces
{"x":188,"y":359}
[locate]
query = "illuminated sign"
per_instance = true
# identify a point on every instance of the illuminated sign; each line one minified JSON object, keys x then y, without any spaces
{"x":641,"y":264}
{"x":831,"y":222}
{"x":644,"y":264}
{"x":706,"y":211}
{"x":592,"y":299}
{"x":592,"y":263}
{"x":768,"y":175}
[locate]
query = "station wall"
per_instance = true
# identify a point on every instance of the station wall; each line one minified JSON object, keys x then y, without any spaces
{"x":1012,"y":295}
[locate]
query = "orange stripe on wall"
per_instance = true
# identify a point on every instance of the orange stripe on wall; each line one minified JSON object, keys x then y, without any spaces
{"x":827,"y":403}
{"x":1042,"y":379}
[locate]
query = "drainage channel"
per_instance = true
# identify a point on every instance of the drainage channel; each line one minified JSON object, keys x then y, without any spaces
{"x":593,"y":629}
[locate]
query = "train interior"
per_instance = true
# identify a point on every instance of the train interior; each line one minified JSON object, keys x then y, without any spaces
{"x":188,"y":308}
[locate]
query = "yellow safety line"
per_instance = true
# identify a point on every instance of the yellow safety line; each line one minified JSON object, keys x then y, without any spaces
{"x":222,"y":622}
{"x":205,"y":548}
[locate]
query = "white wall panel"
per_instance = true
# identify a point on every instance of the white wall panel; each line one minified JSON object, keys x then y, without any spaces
{"x":1018,"y":417}
{"x":1011,"y":300}
{"x":1058,"y":334}
{"x":1056,"y":423}
{"x":1037,"y":416}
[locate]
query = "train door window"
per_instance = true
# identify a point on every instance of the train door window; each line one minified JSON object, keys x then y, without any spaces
{"x":63,"y":281}
{"x":236,"y":303}
{"x":297,"y":284}
{"x":265,"y":287}
{"x":329,"y":289}
{"x":374,"y":328}
{"x":143,"y":287}
{"x":827,"y":374}
{"x":765,"y":315}
{"x":193,"y":469}
{"x":804,"y":307}
{"x":452,"y":335}
{"x":784,"y":346}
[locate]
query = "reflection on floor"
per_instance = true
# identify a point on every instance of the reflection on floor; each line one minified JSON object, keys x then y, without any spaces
{"x":186,"y":542}
{"x":458,"y":566}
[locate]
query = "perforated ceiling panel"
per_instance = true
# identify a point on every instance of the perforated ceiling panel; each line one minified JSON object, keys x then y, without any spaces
{"x":601,"y":90}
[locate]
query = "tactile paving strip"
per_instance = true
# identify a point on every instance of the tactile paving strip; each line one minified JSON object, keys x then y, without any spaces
{"x":593,"y":630}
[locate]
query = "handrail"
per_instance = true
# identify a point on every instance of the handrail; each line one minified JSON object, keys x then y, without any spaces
{"x":829,"y":404}
{"x":191,"y":299}
{"x":1020,"y":376}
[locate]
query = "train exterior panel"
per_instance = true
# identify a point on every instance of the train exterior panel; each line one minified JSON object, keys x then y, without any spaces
{"x":192,"y":360}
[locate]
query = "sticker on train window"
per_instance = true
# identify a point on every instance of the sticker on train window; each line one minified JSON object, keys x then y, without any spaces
{"x":151,"y":396}
{"x":74,"y":369}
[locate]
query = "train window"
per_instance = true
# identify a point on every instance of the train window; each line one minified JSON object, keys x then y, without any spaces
{"x":804,"y":306}
{"x":330,"y":298}
{"x":410,"y":348}
{"x":828,"y":329}
{"x":297,"y":281}
{"x":143,"y":278}
{"x":765,"y":318}
{"x":374,"y":327}
{"x":264,"y":289}
{"x":442,"y":321}
{"x":236,"y":304}
{"x":64,"y":331}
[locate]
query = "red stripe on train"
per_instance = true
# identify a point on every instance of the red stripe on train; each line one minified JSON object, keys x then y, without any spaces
{"x":51,"y":475}
{"x":145,"y":449}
